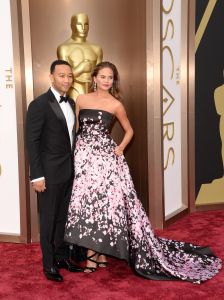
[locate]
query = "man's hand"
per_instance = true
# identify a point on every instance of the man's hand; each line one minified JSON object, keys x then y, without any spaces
{"x":39,"y":186}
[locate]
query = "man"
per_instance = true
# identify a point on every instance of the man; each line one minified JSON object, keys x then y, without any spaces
{"x":81,"y":54}
{"x":50,"y":131}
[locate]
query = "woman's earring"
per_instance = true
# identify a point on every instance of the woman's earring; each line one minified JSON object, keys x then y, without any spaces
{"x":111,"y":90}
{"x":94,"y":86}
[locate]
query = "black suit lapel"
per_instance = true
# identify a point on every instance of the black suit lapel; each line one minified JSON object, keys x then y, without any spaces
{"x":58,"y":111}
{"x":73,"y":106}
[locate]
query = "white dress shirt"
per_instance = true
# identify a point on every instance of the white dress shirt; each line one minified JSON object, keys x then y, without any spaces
{"x":68,"y":113}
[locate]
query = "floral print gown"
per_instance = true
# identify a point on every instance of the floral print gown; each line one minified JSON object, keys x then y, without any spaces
{"x":105,"y":214}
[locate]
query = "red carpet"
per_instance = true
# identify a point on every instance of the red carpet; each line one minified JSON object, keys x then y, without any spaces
{"x":22,"y":277}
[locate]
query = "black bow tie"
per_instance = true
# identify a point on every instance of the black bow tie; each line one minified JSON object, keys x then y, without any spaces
{"x":63,"y":99}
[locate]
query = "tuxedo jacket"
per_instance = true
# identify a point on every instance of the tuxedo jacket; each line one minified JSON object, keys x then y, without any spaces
{"x":50,"y":152}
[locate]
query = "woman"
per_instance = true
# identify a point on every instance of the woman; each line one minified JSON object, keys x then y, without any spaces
{"x":105,"y":214}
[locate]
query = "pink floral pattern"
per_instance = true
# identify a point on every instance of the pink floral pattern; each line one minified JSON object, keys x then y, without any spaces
{"x":105,"y":214}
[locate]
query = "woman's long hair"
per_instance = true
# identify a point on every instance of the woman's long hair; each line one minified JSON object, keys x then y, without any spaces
{"x":115,"y":89}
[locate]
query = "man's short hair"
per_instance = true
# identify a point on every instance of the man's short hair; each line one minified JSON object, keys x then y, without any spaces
{"x":58,"y":62}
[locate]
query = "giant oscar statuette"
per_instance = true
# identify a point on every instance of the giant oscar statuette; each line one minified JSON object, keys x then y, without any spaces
{"x":81,"y":54}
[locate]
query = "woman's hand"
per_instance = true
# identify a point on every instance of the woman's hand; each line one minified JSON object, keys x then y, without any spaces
{"x":118,"y":151}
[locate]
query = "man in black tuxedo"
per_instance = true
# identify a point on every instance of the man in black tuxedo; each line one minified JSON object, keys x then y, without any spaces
{"x":50,"y":135}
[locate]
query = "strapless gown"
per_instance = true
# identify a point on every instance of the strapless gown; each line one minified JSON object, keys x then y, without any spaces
{"x":106,"y":215}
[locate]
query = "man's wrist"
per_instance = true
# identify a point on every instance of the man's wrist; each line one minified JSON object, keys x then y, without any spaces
{"x":37,"y":179}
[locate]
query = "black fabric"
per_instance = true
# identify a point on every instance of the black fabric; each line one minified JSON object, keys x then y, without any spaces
{"x":50,"y":156}
{"x":53,"y":207}
{"x":47,"y":138}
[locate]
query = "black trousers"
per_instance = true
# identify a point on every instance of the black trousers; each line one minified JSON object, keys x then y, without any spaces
{"x":53,"y":208}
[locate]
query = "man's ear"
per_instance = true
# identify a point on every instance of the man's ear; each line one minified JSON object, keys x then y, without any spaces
{"x":51,"y":78}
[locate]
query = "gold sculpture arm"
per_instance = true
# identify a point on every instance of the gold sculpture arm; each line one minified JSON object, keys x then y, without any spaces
{"x":83,"y":67}
{"x":99,"y":52}
{"x":219,"y":99}
{"x":82,"y":63}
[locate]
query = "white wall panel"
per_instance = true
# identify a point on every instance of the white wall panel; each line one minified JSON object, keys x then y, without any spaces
{"x":171,"y":70}
{"x":9,"y":178}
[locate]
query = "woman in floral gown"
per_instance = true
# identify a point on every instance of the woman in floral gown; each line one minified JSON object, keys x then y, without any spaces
{"x":105,"y":216}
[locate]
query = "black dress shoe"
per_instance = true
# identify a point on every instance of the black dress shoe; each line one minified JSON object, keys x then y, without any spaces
{"x":68,"y":265}
{"x":53,"y":274}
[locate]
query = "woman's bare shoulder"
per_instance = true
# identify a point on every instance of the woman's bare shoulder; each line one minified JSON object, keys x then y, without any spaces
{"x":83,"y":98}
{"x":117,"y":104}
